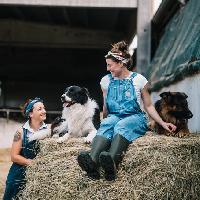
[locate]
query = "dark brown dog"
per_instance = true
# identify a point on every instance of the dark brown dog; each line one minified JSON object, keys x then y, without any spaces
{"x":173,"y":108}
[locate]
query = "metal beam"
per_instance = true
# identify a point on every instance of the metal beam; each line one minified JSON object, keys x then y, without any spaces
{"x":75,"y":3}
{"x":144,"y":16}
{"x":18,"y":33}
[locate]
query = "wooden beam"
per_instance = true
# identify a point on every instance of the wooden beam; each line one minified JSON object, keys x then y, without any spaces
{"x":66,"y":16}
{"x":19,"y":33}
{"x":75,"y":3}
{"x":132,"y":28}
{"x":144,"y":16}
{"x":18,"y":13}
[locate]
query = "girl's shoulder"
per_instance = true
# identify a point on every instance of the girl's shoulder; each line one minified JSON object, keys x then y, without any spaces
{"x":105,"y":81}
{"x":137,"y":75}
{"x":140,"y":80}
{"x":106,"y":77}
{"x":18,"y":134}
{"x":20,"y":130}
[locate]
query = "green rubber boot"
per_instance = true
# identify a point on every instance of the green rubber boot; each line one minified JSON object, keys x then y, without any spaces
{"x":89,"y":161}
{"x":111,"y":159}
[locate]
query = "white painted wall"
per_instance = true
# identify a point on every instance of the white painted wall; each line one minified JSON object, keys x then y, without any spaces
{"x":191,"y":86}
{"x":7,"y":131}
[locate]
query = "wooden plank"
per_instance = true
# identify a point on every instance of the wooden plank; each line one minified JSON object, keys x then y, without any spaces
{"x":19,"y":33}
{"x":75,"y":3}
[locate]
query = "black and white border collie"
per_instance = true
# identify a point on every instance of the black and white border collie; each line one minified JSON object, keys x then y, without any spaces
{"x":80,"y":117}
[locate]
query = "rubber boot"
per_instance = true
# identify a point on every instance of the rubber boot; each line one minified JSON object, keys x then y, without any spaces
{"x":89,"y":161}
{"x":111,"y":159}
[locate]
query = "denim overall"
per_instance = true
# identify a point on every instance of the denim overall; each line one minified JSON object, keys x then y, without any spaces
{"x":124,"y":114}
{"x":16,"y":176}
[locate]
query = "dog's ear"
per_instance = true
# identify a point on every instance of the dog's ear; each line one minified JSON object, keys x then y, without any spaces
{"x":83,"y":96}
{"x":85,"y":90}
{"x":165,"y":95}
{"x":184,"y":95}
{"x":66,"y":89}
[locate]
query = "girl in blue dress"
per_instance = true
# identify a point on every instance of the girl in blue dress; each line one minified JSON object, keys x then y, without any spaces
{"x":23,"y":151}
{"x":124,"y":120}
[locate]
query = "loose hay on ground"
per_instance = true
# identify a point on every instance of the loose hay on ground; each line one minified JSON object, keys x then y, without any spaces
{"x":154,"y":167}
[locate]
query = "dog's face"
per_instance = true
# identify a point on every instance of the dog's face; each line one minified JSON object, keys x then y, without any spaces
{"x":177,"y":103}
{"x":74,"y":94}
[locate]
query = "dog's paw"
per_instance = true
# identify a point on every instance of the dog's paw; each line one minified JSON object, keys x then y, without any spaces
{"x":87,"y":140}
{"x":60,"y":140}
{"x":90,"y":136}
{"x":55,"y":136}
{"x":182,"y":134}
{"x":63,"y":139}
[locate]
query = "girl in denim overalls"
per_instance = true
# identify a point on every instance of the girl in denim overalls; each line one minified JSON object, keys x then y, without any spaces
{"x":124,"y":121}
{"x":23,"y":151}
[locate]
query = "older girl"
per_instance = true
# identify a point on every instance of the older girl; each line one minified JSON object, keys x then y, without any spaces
{"x":124,"y":120}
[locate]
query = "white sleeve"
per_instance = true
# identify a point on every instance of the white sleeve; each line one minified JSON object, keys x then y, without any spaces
{"x":141,"y":81}
{"x":105,"y":82}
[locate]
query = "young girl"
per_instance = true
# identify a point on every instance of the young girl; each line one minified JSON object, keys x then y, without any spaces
{"x":23,"y":151}
{"x":124,"y":121}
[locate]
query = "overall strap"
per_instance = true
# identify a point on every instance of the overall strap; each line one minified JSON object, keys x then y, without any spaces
{"x":133,"y":75}
{"x":24,"y":142}
{"x":110,"y":77}
{"x":108,"y":90}
{"x":24,"y":139}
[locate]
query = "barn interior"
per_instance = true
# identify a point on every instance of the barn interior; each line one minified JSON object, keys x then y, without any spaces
{"x":44,"y":49}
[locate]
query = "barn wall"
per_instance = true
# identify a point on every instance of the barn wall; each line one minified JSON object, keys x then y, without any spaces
{"x":190,"y":86}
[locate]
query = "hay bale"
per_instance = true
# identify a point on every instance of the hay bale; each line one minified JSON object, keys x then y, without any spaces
{"x":154,"y":167}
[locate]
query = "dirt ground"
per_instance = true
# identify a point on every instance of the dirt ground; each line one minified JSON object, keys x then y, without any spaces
{"x":5,"y":164}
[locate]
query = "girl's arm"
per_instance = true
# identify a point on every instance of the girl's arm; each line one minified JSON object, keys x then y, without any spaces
{"x":105,"y":111}
{"x":152,"y":111}
{"x":16,"y":148}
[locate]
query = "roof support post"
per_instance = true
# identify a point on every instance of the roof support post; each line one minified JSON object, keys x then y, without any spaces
{"x":144,"y":15}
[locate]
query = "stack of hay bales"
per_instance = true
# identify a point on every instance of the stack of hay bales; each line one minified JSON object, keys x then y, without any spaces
{"x":154,"y":167}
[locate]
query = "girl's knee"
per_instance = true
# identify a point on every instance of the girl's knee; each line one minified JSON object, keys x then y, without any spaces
{"x":122,"y":125}
{"x":117,"y":129}
{"x":109,"y":121}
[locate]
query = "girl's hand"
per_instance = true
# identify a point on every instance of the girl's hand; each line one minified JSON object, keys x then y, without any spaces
{"x":29,"y":161}
{"x":168,"y":126}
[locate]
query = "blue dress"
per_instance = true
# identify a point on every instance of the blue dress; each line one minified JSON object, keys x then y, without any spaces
{"x":125,"y":116}
{"x":16,"y":177}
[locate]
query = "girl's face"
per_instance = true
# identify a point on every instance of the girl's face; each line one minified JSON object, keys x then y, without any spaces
{"x":39,"y":112}
{"x":114,"y":68}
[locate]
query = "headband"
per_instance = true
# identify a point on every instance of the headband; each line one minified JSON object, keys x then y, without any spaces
{"x":30,"y":105}
{"x":118,"y":57}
